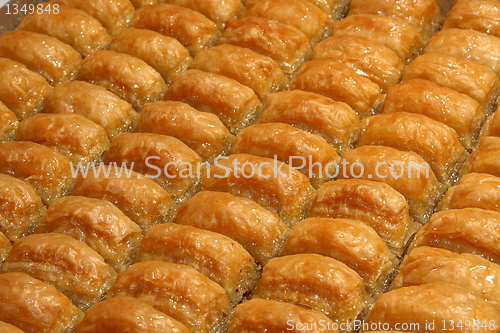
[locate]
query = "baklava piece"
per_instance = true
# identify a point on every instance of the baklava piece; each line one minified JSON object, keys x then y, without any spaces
{"x":8,"y":328}
{"x":140,"y":198}
{"x":216,"y":256}
{"x":479,"y":15}
{"x":95,"y":103}
{"x":460,"y":112}
{"x":377,"y":204}
{"x":262,"y":315}
{"x":70,"y":265}
{"x":370,"y":59}
{"x":269,"y":182}
{"x":467,"y":230}
{"x":203,"y":132}
{"x":258,"y":230}
{"x":340,"y":83}
{"x":305,"y":152}
{"x":34,"y":306}
{"x":179,"y":291}
{"x":48,"y":171}
{"x":393,"y":32}
{"x":315,"y":282}
{"x":128,"y":77}
{"x":113,"y":14}
{"x":406,"y":172}
{"x":56,"y":61}
{"x":71,"y":26}
{"x":8,"y":124}
{"x":436,"y":304}
{"x":21,"y":90}
{"x":99,"y":224}
{"x":337,"y":9}
{"x":492,"y":125}
{"x":235,"y":104}
{"x":21,"y":208}
{"x":485,"y":158}
{"x":335,"y":122}
{"x":192,"y":29}
{"x":349,"y":241}
{"x":77,"y":137}
{"x":127,"y":314}
{"x":165,"y":159}
{"x":258,"y":72}
{"x":5,"y":247}
{"x":165,"y":54}
{"x":285,"y":44}
{"x":437,"y":143}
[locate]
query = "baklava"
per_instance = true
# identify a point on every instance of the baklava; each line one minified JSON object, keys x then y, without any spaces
{"x":335,"y":8}
{"x":5,"y":247}
{"x":492,"y":125}
{"x":479,"y":15}
{"x":8,"y":328}
{"x":485,"y":157}
{"x":8,"y":124}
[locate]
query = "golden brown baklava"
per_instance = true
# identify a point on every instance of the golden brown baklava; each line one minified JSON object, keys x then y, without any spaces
{"x":8,"y":328}
{"x":8,"y":124}
{"x":479,"y":15}
{"x":485,"y":157}
{"x":492,"y":125}
{"x":5,"y":247}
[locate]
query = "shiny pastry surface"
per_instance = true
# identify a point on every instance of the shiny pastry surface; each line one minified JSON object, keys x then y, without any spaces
{"x":8,"y":328}
{"x":8,"y":124}
{"x":492,"y":125}
{"x":485,"y":157}
{"x":479,"y":15}
{"x":5,"y":247}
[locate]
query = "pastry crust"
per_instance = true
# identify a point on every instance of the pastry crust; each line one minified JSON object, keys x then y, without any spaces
{"x":165,"y":54}
{"x":435,"y":142}
{"x":71,"y":26}
{"x":348,"y":241}
{"x":179,"y":291}
{"x":337,"y":9}
{"x":21,"y":208}
{"x":479,"y":15}
{"x":258,"y":72}
{"x":370,"y":59}
{"x":194,"y":30}
{"x":334,"y":121}
{"x":80,"y":139}
{"x":285,"y":44}
{"x":305,"y":152}
{"x":314,"y":282}
{"x":258,"y":230}
{"x":467,"y":230}
{"x":126,"y":314}
{"x":235,"y":104}
{"x":8,"y":328}
{"x":8,"y":124}
{"x":340,"y":83}
{"x":95,"y":103}
{"x":270,"y":183}
{"x":377,"y":204}
{"x":48,"y":171}
{"x":406,"y":172}
{"x":21,"y":90}
{"x":262,"y":315}
{"x":71,"y":266}
{"x":485,"y":158}
{"x":98,"y":223}
{"x":128,"y":77}
{"x":56,"y":61}
{"x":35,"y":306}
{"x":393,"y":32}
{"x":165,"y":159}
{"x":5,"y":247}
{"x":458,"y":111}
{"x":492,"y":125}
{"x":216,"y":256}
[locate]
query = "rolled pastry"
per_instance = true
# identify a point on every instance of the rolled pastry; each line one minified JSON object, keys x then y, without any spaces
{"x":370,"y":59}
{"x":334,"y":121}
{"x":70,"y":265}
{"x":80,"y":139}
{"x":34,"y":306}
{"x":285,"y":44}
{"x":99,"y":224}
{"x":48,"y":171}
{"x":128,"y":77}
{"x":258,"y":72}
{"x":71,"y":26}
{"x":492,"y":125}
{"x":235,"y":104}
{"x":95,"y":103}
{"x":258,"y":230}
{"x":5,"y":247}
{"x":485,"y":157}
{"x":340,"y":83}
{"x":8,"y":328}
{"x":22,"y":208}
{"x":56,"y":61}
{"x":479,"y":15}
{"x":179,"y":291}
{"x":165,"y":54}
{"x":126,"y":314}
{"x":337,"y":9}
{"x":8,"y":124}
{"x":165,"y":159}
{"x":216,"y":256}
{"x":21,"y":90}
{"x":269,"y":182}
{"x":192,"y":29}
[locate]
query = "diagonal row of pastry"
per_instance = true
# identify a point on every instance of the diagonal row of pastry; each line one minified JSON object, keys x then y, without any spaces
{"x":223,"y":166}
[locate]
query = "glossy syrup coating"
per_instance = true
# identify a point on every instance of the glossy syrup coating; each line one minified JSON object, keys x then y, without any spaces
{"x":8,"y":328}
{"x":5,"y":247}
{"x":479,"y":15}
{"x":492,"y":125}
{"x":8,"y":124}
{"x":485,"y":157}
